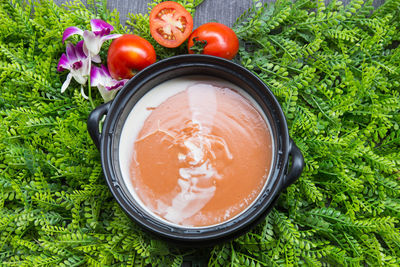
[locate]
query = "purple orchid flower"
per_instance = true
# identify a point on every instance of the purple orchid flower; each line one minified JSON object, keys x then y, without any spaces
{"x":107,"y":86}
{"x":93,"y":40}
{"x":76,"y":61}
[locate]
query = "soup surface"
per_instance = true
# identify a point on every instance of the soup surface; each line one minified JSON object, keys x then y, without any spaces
{"x":202,"y":155}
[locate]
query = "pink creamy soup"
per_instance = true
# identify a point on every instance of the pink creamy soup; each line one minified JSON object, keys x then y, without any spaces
{"x":202,"y":156}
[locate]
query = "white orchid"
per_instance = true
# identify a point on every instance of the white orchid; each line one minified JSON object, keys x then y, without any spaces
{"x":78,"y":64}
{"x":108,"y":87}
{"x":93,"y":40}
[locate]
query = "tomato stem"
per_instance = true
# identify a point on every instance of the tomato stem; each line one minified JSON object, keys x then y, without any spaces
{"x":198,"y":45}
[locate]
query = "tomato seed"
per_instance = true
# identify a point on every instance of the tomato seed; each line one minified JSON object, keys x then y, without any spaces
{"x":183,"y":22}
{"x":165,"y":35}
{"x":165,"y":11}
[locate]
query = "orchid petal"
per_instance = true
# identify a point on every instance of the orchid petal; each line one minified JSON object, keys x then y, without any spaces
{"x":116,"y":85}
{"x":66,"y":83}
{"x":110,"y":36}
{"x":107,"y":94}
{"x":79,"y":50}
{"x":81,"y":74}
{"x":105,"y":71}
{"x":98,"y":25}
{"x":96,"y":59}
{"x":82,"y":79}
{"x":92,"y":43}
{"x":71,"y":31}
{"x":83,"y":93}
{"x":86,"y":67}
{"x":71,"y":53}
{"x":63,"y":63}
{"x":85,"y":50}
{"x":96,"y":76}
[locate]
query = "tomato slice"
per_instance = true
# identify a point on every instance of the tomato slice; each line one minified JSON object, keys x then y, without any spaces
{"x":170,"y":24}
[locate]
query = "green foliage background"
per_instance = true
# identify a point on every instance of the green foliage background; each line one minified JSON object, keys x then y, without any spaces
{"x":335,"y":71}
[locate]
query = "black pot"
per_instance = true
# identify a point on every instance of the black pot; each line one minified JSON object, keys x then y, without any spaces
{"x":117,"y":111}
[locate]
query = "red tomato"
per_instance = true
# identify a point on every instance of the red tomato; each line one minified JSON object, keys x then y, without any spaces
{"x":129,"y":54}
{"x":170,"y":24}
{"x":214,"y":39}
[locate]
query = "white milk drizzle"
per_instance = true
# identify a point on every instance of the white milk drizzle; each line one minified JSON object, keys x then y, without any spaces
{"x":198,"y":144}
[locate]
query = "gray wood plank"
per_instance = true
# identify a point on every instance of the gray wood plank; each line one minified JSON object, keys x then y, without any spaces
{"x":221,"y":11}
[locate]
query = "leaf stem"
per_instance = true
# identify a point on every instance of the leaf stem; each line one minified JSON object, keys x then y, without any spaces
{"x":281,"y":46}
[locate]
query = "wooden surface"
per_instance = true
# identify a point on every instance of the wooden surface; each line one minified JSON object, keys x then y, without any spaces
{"x":223,"y":11}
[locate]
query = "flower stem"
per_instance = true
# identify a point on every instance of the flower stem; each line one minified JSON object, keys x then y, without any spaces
{"x":89,"y":87}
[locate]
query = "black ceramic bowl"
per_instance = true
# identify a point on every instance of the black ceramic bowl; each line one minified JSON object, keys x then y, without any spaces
{"x":117,"y":111}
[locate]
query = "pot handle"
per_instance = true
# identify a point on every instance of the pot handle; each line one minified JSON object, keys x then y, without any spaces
{"x":93,"y":122}
{"x":297,"y":165}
